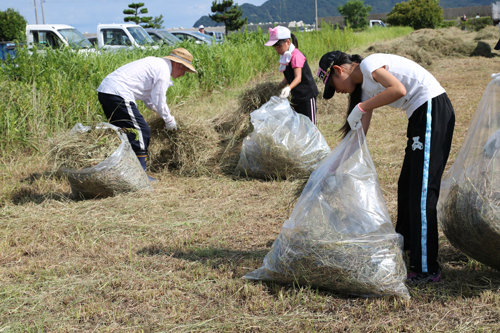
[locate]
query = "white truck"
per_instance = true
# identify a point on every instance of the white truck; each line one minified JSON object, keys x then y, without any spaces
{"x":377,"y":23}
{"x":118,"y":36}
{"x":55,"y":36}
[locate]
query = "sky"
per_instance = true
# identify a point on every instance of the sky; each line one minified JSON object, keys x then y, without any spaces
{"x":85,"y":15}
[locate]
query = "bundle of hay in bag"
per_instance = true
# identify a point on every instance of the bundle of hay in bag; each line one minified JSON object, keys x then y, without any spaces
{"x":339,"y":236}
{"x":283,"y":143}
{"x":98,"y":161}
{"x":469,"y":200}
{"x":235,"y":125}
{"x":471,"y":218}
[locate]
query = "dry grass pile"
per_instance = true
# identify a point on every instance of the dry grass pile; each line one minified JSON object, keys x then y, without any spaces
{"x":206,"y":147}
{"x":191,"y":150}
{"x":488,"y":33}
{"x":235,"y":126}
{"x":365,"y":266}
{"x":428,"y":45}
{"x":83,"y":150}
{"x":471,"y":218}
{"x":98,"y":163}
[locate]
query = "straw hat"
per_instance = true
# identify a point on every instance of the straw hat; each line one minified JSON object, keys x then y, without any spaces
{"x":182,"y":56}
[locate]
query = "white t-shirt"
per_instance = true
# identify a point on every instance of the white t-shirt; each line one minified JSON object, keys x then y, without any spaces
{"x":420,"y":85}
{"x":146,"y":80}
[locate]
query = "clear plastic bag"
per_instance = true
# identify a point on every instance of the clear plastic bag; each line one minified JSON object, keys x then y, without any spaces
{"x":282,"y":144}
{"x":469,"y":200}
{"x":339,"y":235}
{"x":120,"y":172}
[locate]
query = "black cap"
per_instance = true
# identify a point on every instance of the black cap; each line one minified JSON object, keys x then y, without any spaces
{"x":325,"y":68}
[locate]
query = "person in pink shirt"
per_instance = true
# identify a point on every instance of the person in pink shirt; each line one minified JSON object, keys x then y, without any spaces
{"x":298,"y":77}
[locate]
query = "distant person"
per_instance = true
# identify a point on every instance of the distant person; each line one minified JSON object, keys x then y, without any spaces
{"x":387,"y":79}
{"x":464,"y":18}
{"x":201,"y":29}
{"x":296,"y":70}
{"x":146,"y":80}
{"x":477,"y":15}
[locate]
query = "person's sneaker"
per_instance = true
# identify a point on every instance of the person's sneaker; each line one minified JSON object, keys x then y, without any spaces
{"x":418,"y":278}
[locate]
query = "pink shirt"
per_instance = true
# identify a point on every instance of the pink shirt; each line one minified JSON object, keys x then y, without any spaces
{"x":297,"y":59}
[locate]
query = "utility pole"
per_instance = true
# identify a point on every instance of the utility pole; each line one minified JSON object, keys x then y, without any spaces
{"x":43,"y":14}
{"x":36,"y":13}
{"x":316,"y":17}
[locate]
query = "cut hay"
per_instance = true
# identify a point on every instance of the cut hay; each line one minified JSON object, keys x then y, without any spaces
{"x":339,"y":235}
{"x":488,"y":33}
{"x":207,"y":147}
{"x":425,"y":45}
{"x":269,"y":160}
{"x":83,"y":150}
{"x":98,"y":162}
{"x":191,"y":150}
{"x":283,"y":144}
{"x":235,"y":125}
{"x":470,"y":218}
{"x":257,"y":96}
{"x":351,"y":266}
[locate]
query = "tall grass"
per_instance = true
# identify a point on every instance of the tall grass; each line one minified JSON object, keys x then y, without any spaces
{"x":49,"y":91}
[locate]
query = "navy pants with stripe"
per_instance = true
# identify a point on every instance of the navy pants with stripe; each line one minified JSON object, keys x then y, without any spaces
{"x":306,"y":107}
{"x":125,"y":114}
{"x":430,"y":131}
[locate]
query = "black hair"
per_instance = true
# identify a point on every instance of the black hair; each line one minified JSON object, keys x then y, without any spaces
{"x":355,"y":96}
{"x":294,"y":41}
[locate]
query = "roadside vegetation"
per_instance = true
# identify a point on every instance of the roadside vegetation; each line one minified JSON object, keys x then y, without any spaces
{"x":171,"y":260}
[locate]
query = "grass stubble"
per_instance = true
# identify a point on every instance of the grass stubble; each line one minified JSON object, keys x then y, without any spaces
{"x":172,"y":260}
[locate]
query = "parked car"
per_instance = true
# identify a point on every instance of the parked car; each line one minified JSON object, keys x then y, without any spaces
{"x":194,"y":36}
{"x":162,"y":36}
{"x":118,"y":36}
{"x":55,"y":36}
{"x":217,"y":35}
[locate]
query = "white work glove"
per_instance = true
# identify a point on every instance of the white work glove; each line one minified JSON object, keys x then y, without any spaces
{"x":354,"y":118}
{"x":285,"y":92}
{"x":171,"y":125}
{"x":496,"y":78}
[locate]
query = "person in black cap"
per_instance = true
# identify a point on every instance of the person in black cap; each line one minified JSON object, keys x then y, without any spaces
{"x":386,"y":79}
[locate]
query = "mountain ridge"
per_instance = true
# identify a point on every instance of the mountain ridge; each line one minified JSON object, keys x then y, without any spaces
{"x":300,"y":10}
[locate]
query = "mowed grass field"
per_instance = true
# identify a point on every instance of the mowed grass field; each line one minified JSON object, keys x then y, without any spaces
{"x":171,"y":260}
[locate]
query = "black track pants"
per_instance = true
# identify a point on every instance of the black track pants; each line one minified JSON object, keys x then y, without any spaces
{"x":305,"y":107}
{"x":126,"y":115}
{"x":430,"y":131}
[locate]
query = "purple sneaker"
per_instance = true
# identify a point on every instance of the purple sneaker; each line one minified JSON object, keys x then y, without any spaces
{"x":418,"y":278}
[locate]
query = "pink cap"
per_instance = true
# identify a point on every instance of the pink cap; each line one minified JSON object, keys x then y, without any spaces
{"x":276,"y":34}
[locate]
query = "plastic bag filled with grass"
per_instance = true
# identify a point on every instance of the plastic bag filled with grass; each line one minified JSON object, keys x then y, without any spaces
{"x":469,"y":201}
{"x":283,"y":143}
{"x":339,"y":235}
{"x":98,"y":161}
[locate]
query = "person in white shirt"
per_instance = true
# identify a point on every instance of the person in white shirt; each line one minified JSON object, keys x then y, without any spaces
{"x":386,"y":79}
{"x":146,"y":80}
{"x":201,"y":29}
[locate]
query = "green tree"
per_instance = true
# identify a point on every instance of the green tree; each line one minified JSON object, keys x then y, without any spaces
{"x":157,"y":22}
{"x":355,"y":13}
{"x":417,"y":14}
{"x":225,"y":11}
{"x":144,"y":21}
{"x":12,"y":26}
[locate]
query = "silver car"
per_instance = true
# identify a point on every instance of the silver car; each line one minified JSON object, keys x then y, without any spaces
{"x":194,"y":36}
{"x":162,"y":36}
